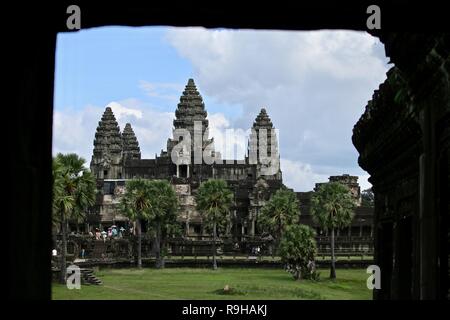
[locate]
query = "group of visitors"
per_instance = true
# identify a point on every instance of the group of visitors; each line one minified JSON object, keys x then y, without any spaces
{"x":111,"y":233}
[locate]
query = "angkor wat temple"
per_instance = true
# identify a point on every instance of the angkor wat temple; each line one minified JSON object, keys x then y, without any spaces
{"x":117,"y":157}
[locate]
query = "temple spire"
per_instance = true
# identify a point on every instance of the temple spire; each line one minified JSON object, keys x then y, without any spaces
{"x":131,"y":148}
{"x":263,"y":120}
{"x":263,"y":139}
{"x":190,"y":114}
{"x":190,"y":108}
{"x":107,"y":137}
{"x":107,"y":155}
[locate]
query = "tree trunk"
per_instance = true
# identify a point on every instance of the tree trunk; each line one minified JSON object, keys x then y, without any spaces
{"x":297,"y":275}
{"x":163,"y":250}
{"x":63,"y":252}
{"x":214,"y":247}
{"x":333,"y":264}
{"x":158,"y":245}
{"x":139,"y":247}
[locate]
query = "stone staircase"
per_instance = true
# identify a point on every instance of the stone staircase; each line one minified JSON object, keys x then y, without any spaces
{"x":89,"y":277}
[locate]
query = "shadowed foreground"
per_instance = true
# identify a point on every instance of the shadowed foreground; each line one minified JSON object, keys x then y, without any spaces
{"x":187,"y":283}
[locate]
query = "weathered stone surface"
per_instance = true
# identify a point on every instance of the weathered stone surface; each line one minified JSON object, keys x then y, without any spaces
{"x":131,"y":148}
{"x":403,"y":139}
{"x":250,"y":181}
{"x":108,"y":144}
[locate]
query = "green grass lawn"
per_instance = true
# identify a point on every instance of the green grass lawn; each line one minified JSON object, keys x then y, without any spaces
{"x":189,"y":283}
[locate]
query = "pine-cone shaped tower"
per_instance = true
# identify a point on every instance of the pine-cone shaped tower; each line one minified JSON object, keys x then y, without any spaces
{"x":131,"y":148}
{"x":191,"y":110}
{"x":268,"y":136}
{"x":107,"y":155}
{"x":108,"y":137}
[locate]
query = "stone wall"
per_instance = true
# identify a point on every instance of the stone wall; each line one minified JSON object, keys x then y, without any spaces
{"x":403,"y":139}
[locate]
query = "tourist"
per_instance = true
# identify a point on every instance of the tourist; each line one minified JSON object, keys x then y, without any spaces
{"x":114,"y":231}
{"x":97,"y":234}
{"x":104,"y":234}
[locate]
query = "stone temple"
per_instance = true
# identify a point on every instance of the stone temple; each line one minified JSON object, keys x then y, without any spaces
{"x":117,"y":157}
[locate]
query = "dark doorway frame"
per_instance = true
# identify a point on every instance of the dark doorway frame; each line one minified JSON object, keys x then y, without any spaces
{"x":32,"y":61}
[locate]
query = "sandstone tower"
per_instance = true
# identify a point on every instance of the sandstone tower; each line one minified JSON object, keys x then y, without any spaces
{"x":130,"y":144}
{"x":106,"y":160}
{"x":263,"y":147}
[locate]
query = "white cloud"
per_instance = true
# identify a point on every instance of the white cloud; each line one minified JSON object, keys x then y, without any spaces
{"x":363,"y":182}
{"x":314,"y":86}
{"x":73,"y":130}
{"x":120,"y":111}
{"x":229,"y":141}
{"x":300,"y":176}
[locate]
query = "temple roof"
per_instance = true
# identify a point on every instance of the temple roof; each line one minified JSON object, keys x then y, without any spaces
{"x":107,"y":136}
{"x":269,"y":143}
{"x":262,"y":120}
{"x":131,"y":148}
{"x":190,"y":108}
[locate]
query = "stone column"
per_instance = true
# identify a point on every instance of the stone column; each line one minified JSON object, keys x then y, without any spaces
{"x":427,"y":213}
{"x":187,"y":227}
{"x":252,"y":227}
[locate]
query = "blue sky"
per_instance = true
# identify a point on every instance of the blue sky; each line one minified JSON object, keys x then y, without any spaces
{"x":314,"y":86}
{"x":108,"y":63}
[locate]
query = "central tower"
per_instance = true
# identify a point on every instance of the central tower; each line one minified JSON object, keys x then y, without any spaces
{"x":190,"y":135}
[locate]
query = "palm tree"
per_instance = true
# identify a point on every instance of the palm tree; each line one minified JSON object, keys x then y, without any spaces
{"x":332,"y":207}
{"x":73,"y":193}
{"x":163,"y":212}
{"x":135,"y":204}
{"x":281,"y":211}
{"x":214,"y":199}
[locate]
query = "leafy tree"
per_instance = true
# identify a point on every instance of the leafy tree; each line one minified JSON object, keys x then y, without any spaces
{"x":135,"y":204}
{"x":368,"y":198}
{"x":163,"y":212}
{"x":281,"y":211}
{"x":332,"y":207}
{"x":214,"y":199}
{"x":297,"y":250}
{"x":73,"y":193}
